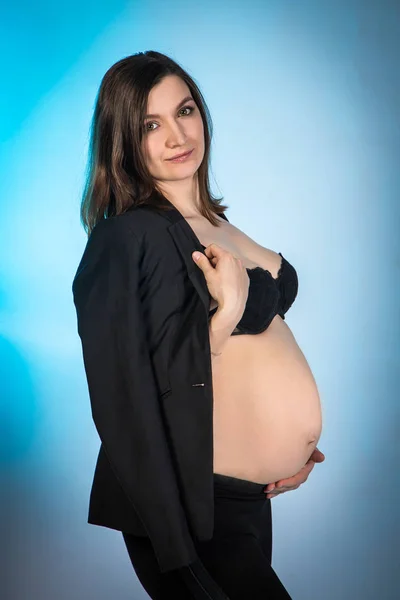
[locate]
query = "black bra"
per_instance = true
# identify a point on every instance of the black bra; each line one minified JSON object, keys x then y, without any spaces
{"x":267,"y":297}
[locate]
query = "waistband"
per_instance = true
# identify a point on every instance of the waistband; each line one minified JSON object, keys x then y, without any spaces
{"x":242,"y":487}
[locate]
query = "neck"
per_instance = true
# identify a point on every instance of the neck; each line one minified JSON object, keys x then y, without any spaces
{"x":184,"y":195}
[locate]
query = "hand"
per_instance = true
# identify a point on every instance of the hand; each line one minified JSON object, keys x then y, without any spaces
{"x":226,"y":279}
{"x":292,"y":483}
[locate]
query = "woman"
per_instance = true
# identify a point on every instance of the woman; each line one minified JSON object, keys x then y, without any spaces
{"x":143,"y":305}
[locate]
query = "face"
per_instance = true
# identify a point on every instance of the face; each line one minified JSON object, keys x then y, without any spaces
{"x":177,"y":129}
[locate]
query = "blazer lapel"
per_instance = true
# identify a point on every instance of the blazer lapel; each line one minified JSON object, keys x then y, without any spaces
{"x":187,"y":242}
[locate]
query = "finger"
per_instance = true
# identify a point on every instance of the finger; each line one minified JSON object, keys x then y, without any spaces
{"x":288,"y":483}
{"x":317,"y":455}
{"x":277,"y":493}
{"x":282,"y":490}
{"x":203,"y":262}
{"x":297,"y":479}
{"x":271,"y":495}
{"x":272,"y":487}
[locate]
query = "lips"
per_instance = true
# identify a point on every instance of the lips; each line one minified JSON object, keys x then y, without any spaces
{"x":180,"y":155}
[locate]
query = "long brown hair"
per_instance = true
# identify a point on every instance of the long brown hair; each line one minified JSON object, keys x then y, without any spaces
{"x":116,"y":175}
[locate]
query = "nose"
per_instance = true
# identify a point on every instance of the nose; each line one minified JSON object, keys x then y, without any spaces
{"x":176,"y":135}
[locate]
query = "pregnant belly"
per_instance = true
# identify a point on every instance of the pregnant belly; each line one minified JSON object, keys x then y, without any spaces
{"x":267,"y":412}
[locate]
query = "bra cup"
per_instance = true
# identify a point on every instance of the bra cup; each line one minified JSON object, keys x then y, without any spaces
{"x":262,"y":302}
{"x":267,"y":297}
{"x":288,"y":287}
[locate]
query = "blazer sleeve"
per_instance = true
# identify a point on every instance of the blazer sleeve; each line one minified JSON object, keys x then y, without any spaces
{"x":122,"y":388}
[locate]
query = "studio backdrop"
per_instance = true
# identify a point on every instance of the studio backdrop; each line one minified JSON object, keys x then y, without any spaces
{"x":304,"y":98}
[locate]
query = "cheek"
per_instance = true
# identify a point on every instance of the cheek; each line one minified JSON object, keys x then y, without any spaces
{"x":144,"y":146}
{"x":199,"y":128}
{"x":194,"y":129}
{"x":149,"y":151}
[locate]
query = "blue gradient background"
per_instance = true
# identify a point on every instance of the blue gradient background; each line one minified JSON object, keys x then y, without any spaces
{"x":305,"y":101}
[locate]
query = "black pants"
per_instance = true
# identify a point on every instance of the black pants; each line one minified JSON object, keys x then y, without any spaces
{"x":234,"y":564}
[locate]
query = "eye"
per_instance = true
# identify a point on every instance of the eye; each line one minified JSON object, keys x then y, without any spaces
{"x":189,"y":108}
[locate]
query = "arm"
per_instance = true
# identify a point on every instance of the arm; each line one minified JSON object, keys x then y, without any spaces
{"x":220,"y":328}
{"x":122,"y":387}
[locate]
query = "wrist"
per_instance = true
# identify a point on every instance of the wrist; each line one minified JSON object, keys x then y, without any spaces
{"x":221,"y":326}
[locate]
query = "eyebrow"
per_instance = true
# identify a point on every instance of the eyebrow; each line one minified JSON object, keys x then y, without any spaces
{"x":154,"y":116}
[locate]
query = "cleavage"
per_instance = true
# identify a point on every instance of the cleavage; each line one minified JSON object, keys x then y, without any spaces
{"x":254,"y":266}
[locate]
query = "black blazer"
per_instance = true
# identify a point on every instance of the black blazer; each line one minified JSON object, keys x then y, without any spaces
{"x":142,"y":314}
